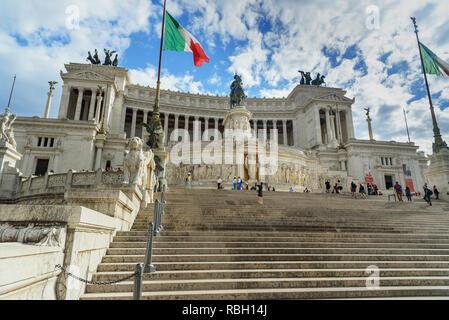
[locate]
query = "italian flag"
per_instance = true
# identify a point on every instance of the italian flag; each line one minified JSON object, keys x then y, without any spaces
{"x":179,"y":39}
{"x":433,"y":64}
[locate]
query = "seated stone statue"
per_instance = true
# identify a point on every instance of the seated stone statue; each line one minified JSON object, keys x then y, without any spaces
{"x":136,"y":163}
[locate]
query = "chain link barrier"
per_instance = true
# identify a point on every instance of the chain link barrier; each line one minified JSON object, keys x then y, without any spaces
{"x":58,"y":266}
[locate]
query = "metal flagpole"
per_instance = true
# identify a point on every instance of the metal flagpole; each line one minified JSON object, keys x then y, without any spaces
{"x":12,"y":90}
{"x":406,"y":125}
{"x":439,"y":143}
{"x":156,"y":111}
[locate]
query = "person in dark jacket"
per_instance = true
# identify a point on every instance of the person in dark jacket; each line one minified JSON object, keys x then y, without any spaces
{"x":436,"y":192}
{"x":260,"y":192}
{"x":408,"y":193}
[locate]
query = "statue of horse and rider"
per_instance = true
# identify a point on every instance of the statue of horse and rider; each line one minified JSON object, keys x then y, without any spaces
{"x":306,"y":79}
{"x":237,"y":93}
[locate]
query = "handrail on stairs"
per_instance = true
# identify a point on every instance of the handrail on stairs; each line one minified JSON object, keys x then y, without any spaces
{"x":155,"y":228}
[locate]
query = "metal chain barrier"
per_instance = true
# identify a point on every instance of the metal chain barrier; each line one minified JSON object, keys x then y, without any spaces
{"x":95,"y":282}
{"x":155,"y":228}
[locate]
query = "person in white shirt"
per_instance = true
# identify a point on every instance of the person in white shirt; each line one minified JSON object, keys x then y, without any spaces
{"x":219,"y":183}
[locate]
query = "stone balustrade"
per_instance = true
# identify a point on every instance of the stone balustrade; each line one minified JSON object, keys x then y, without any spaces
{"x":58,"y":183}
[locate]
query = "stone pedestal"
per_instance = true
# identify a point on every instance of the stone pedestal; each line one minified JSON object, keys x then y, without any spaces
{"x":438,"y":173}
{"x":238,"y":119}
{"x":9,"y":174}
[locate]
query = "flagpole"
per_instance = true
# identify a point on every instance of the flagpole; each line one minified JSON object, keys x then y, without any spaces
{"x":156,"y":111}
{"x":12,"y":90}
{"x":438,"y":140}
{"x":406,"y":125}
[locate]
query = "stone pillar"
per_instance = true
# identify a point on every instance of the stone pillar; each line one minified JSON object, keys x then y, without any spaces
{"x":370,"y":129}
{"x":145,"y":116}
{"x":206,"y":126}
{"x":47,"y":107}
{"x":97,"y":113}
{"x":340,"y":137}
{"x":328,"y":127}
{"x":264,"y":128}
{"x":78,"y":103}
{"x":186,"y":126}
{"x":133,"y":123}
{"x":284,"y":130}
{"x":275,"y":124}
{"x":99,"y":143}
{"x":216,"y":123}
{"x":166,"y":118}
{"x":63,"y":107}
{"x":349,"y":123}
{"x":123,"y":119}
{"x":92,"y":105}
{"x":319,"y":137}
{"x":176,"y":121}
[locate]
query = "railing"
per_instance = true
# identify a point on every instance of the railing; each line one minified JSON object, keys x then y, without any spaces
{"x":155,"y":228}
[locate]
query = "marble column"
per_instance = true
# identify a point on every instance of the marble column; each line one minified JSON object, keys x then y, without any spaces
{"x":186,"y":127}
{"x":349,"y":123}
{"x":133,"y":123}
{"x":284,"y":131}
{"x":319,"y":137}
{"x":340,"y":137}
{"x":332,"y":124}
{"x":176,"y":121}
{"x":166,"y":118}
{"x":216,"y":123}
{"x":145,"y":116}
{"x":64,"y":105}
{"x":123,"y":119}
{"x":98,"y":111}
{"x":206,"y":126}
{"x":78,"y":103}
{"x":328,"y":127}
{"x":264,"y":128}
{"x":93,"y":98}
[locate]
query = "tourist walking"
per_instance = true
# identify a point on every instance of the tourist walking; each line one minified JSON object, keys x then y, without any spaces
{"x":353,"y":190}
{"x":398,"y":191}
{"x":219,"y":183}
{"x":328,"y":186}
{"x":362,"y":191}
{"x":239,"y":184}
{"x":408,"y":193}
{"x":188,"y":180}
{"x":260,"y":193}
{"x":427,"y":194}
{"x":436,"y":192}
{"x":339,"y":186}
{"x":234,"y":183}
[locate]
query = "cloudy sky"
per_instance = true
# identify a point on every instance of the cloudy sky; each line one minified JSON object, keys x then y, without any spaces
{"x":365,"y":47}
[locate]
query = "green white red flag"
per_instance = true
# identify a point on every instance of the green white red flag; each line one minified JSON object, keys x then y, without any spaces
{"x":432,"y":63}
{"x":179,"y":39}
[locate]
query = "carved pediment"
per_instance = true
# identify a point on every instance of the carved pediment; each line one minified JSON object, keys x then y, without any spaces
{"x":87,"y":75}
{"x":334,"y":97}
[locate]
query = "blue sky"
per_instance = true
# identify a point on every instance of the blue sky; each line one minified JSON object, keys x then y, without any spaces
{"x":365,"y":47}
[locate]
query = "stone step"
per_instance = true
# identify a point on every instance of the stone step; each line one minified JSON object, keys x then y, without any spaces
{"x":238,"y":265}
{"x":266,"y":283}
{"x":290,"y":244}
{"x":274,"y":257}
{"x":272,"y":273}
{"x":251,"y":251}
{"x":324,"y":238}
{"x":278,"y":293}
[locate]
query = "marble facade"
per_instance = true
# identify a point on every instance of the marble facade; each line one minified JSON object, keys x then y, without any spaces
{"x":315,"y":132}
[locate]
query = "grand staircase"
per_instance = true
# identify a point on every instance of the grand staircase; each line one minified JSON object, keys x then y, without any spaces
{"x":224,"y":245}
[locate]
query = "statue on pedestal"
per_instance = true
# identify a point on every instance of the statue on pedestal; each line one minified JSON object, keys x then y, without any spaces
{"x":6,"y":131}
{"x":237,"y":93}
